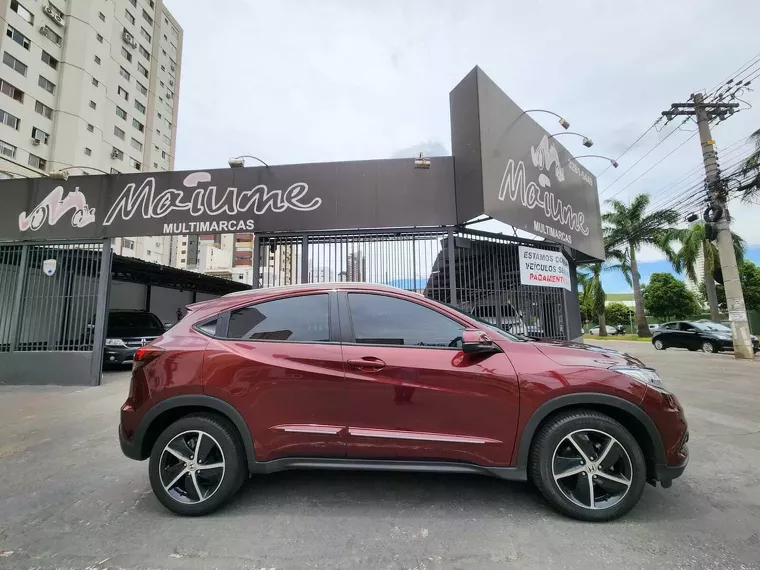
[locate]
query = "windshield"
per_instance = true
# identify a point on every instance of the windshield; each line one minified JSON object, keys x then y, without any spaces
{"x":714,"y":327}
{"x":494,"y":328}
{"x":134,"y":320}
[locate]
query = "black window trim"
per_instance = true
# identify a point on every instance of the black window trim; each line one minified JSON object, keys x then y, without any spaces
{"x":222,"y":326}
{"x":348,"y":323}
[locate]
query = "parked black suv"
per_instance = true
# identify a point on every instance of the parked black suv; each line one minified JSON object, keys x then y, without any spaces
{"x":127,"y":331}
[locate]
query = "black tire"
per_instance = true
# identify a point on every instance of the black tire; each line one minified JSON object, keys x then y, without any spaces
{"x":712,"y":348}
{"x":659,"y":344}
{"x":548,"y":439}
{"x":235,"y":470}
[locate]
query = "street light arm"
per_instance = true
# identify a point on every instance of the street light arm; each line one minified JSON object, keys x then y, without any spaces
{"x":612,"y":161}
{"x":63,"y":173}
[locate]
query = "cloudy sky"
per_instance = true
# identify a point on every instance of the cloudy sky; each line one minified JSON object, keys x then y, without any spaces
{"x":308,"y":81}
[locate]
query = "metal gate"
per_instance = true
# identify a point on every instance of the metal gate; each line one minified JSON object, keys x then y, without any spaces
{"x":476,"y":271}
{"x":53,"y":301}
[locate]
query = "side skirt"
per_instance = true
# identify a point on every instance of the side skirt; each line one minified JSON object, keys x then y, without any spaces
{"x":509,"y":473}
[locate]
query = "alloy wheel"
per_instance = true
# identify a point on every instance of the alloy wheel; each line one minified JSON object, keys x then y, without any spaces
{"x":658,"y":344}
{"x":708,"y":347}
{"x":592,"y":469}
{"x":192,"y":467}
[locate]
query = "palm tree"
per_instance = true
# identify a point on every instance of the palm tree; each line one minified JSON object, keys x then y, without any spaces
{"x":590,"y":278}
{"x":752,"y":163}
{"x":694,"y":245}
{"x":630,"y":226}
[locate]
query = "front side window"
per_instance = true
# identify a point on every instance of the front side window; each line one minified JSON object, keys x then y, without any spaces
{"x":378,"y":319}
{"x":295,"y":319}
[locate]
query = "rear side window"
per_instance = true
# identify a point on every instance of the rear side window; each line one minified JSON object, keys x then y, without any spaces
{"x":378,"y":319}
{"x":295,"y":319}
{"x":208,"y":328}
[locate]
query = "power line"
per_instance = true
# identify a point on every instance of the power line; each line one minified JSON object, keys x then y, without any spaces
{"x":633,"y":144}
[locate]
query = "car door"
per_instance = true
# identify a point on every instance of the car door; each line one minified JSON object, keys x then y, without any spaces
{"x":279,"y":363}
{"x":669,"y":334}
{"x":411,"y":392}
{"x":689,"y":336}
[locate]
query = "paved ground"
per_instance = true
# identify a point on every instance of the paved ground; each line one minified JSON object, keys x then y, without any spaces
{"x":68,"y":499}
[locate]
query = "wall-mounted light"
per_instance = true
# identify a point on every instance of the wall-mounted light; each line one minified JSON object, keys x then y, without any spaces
{"x":422,"y":162}
{"x":587,"y":142}
{"x":565,"y":125}
{"x":239,"y":161}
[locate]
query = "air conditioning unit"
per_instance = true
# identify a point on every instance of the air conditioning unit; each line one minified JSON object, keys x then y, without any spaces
{"x":36,"y":142}
{"x":53,"y":14}
{"x":48,"y":10}
{"x":114,"y":154}
{"x":43,"y":30}
{"x":58,"y":19}
{"x":129,"y":38}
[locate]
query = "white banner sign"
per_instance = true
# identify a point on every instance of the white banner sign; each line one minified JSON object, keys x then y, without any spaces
{"x":543,"y":268}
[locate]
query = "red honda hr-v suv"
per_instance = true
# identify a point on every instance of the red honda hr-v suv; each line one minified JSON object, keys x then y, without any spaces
{"x":359,"y":376}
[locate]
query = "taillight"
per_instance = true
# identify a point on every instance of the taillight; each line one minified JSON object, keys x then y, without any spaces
{"x":144,"y":355}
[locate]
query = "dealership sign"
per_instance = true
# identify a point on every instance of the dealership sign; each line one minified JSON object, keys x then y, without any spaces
{"x":278,"y":198}
{"x":528,"y":179}
{"x":544,"y":268}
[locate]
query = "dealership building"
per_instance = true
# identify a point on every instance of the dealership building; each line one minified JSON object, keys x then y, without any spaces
{"x":399,"y":221}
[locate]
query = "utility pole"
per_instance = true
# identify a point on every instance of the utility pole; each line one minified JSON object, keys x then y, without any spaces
{"x":717,"y":214}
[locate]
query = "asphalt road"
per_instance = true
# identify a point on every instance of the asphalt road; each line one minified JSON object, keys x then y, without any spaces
{"x":69,"y":499}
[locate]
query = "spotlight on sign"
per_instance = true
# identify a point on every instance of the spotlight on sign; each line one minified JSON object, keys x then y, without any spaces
{"x":588,"y":142}
{"x":422,"y":162}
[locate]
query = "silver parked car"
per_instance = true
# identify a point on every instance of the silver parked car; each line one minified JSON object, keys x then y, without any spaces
{"x":595,"y":330}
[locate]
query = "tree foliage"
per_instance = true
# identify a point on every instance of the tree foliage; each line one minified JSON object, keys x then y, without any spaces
{"x":749,"y":275}
{"x":617,"y":313}
{"x":666,"y":297}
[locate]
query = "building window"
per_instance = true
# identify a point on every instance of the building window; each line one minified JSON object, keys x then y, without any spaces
{"x":130,"y":17}
{"x":51,"y":35}
{"x":137,"y":144}
{"x":159,"y":115}
{"x":7,"y":149}
{"x":99,"y":38}
{"x":37,"y":162}
{"x":128,"y":243}
{"x":134,"y":164}
{"x":123,"y":93}
{"x":138,"y":125}
{"x":118,"y":132}
{"x":121,"y":113}
{"x":14,"y":63}
{"x":139,"y":106}
{"x":163,"y":154}
{"x":91,"y":128}
{"x":125,"y":54}
{"x":88,"y":151}
{"x":23,"y":12}
{"x":102,"y":16}
{"x":49,"y":59}
{"x":117,"y":154}
{"x":133,"y":2}
{"x":144,"y":52}
{"x":155,"y":165}
{"x":97,"y":60}
{"x":11,"y":91}
{"x":43,"y":110}
{"x":163,"y":68}
{"x":95,"y":82}
{"x":10,"y":120}
{"x":46,"y":84}
{"x":17,"y":37}
{"x":158,"y":132}
{"x":145,"y":34}
{"x":93,"y":105}
{"x":142,"y":70}
{"x":147,"y":17}
{"x":40,"y":135}
{"x":124,"y":73}
{"x":141,"y":88}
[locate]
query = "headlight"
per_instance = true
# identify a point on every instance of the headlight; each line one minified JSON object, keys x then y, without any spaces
{"x":115,"y":342}
{"x":647,"y":376}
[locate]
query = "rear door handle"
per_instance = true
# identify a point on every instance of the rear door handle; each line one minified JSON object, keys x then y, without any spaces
{"x":367,"y":363}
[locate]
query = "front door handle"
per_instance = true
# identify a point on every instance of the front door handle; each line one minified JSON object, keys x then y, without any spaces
{"x":367,"y":363}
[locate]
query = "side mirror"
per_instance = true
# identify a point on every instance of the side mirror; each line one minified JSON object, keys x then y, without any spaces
{"x":477,"y":342}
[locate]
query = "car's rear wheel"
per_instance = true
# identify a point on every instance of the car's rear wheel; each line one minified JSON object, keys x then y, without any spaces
{"x":588,"y":466}
{"x":707,"y":346}
{"x":658,"y":344}
{"x":196,"y":465}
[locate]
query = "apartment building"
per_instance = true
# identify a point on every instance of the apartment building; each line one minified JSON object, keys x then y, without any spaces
{"x":92,"y":84}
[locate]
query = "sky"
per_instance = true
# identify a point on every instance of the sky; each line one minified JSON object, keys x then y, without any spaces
{"x":313,"y":81}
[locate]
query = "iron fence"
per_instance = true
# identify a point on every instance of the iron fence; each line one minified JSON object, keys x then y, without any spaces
{"x":476,"y":271}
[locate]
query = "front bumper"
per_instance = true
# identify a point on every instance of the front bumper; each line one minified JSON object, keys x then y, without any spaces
{"x":115,"y":355}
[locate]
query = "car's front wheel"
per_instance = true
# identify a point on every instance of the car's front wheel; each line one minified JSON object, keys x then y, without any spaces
{"x":197,"y":464}
{"x":658,"y":344}
{"x":708,"y":346}
{"x":588,"y":466}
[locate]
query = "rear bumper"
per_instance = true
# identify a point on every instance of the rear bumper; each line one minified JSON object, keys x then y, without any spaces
{"x":129,"y":448}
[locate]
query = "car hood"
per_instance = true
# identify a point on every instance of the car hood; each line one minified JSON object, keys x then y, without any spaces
{"x":569,"y":353}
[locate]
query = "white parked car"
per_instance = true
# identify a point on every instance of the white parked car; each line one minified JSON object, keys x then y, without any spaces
{"x":595,"y":330}
{"x":654,"y":326}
